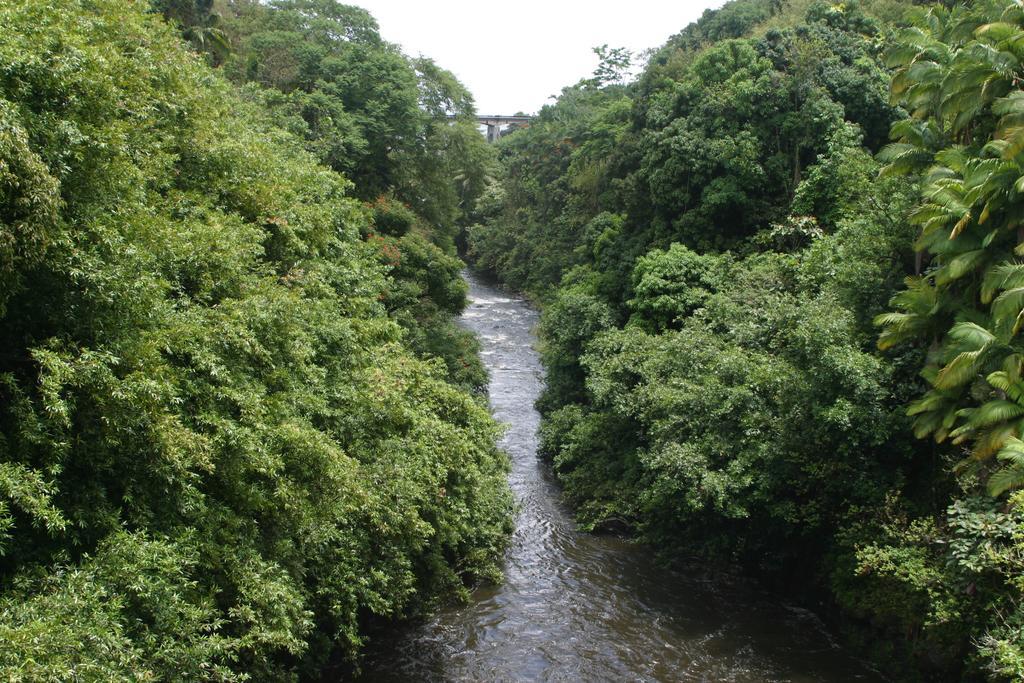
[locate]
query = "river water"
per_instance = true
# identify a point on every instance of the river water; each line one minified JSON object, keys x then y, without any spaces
{"x":580,"y":607}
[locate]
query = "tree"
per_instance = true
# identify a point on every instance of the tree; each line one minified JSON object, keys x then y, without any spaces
{"x":613,"y":67}
{"x":957,"y":74}
{"x":201,"y":25}
{"x":219,"y":454}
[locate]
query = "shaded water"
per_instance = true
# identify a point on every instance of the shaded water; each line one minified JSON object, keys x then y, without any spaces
{"x":579,"y":607}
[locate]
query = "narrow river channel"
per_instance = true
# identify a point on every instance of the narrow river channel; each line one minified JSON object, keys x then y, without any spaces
{"x":579,"y":607}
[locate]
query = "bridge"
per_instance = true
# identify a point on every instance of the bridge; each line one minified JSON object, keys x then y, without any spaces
{"x":494,"y":124}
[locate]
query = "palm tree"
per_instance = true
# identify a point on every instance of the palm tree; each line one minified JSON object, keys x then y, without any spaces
{"x":958,"y":72}
{"x":200,"y":24}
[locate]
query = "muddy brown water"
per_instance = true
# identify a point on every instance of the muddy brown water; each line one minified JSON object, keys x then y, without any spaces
{"x":580,"y":607}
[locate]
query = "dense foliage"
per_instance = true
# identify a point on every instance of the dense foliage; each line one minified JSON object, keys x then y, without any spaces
{"x":218,"y":454}
{"x":403,"y":130}
{"x":714,"y":244}
{"x":782,"y":287}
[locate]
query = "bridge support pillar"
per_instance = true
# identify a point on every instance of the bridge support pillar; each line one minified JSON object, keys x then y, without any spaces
{"x":494,"y":123}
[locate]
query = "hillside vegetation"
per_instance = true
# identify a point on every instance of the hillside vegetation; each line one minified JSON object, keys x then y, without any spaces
{"x":782,"y":291}
{"x":782,"y":277}
{"x":236,"y":421}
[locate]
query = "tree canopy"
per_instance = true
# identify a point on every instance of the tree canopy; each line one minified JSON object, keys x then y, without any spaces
{"x":220,"y":455}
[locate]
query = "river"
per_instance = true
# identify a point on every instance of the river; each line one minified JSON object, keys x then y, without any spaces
{"x":581,"y":607}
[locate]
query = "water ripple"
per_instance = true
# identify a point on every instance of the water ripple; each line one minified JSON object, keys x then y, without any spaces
{"x":578,"y":607}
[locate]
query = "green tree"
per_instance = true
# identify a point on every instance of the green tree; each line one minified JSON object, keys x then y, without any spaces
{"x":956,"y":73}
{"x":201,"y":25}
{"x":219,"y":456}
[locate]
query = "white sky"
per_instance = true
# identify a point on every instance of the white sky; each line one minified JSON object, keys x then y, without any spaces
{"x":514,"y":55}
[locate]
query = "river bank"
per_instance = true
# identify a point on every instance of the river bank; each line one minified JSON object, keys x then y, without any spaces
{"x":578,"y":606}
